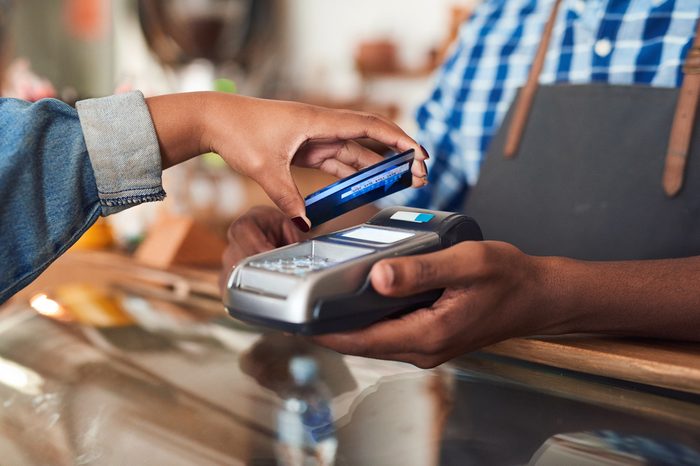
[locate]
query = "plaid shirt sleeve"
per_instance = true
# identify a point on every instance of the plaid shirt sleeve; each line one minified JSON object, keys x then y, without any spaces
{"x":595,"y":41}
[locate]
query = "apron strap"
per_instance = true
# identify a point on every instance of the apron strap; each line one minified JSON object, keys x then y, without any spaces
{"x":683,"y":121}
{"x":527,"y":93}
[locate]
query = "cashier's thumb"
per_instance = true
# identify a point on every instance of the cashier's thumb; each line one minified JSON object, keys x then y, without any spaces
{"x":405,"y":276}
{"x":285,"y":194}
{"x":383,"y":277}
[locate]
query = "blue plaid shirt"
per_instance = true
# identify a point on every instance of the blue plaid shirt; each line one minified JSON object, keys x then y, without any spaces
{"x":604,"y":41}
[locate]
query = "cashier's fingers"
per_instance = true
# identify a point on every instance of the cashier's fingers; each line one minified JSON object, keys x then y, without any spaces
{"x":271,"y":223}
{"x":425,"y":337}
{"x":253,"y":242}
{"x":409,"y":334}
{"x":260,"y":229}
{"x":245,"y":245}
{"x":451,"y":267}
{"x":267,"y":226}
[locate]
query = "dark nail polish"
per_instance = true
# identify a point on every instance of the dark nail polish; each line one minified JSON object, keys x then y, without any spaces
{"x":301,"y":224}
{"x":427,"y":156}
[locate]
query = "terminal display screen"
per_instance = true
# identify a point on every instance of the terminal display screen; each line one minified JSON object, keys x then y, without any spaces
{"x":377,"y":235}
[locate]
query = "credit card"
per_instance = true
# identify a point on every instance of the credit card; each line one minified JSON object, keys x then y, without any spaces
{"x":389,"y":176}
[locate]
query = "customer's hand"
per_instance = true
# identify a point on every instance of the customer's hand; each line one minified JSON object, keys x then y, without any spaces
{"x":493,"y":292}
{"x":260,"y":229}
{"x":262,"y":138}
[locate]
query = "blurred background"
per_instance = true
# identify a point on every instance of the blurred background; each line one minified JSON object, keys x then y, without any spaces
{"x":364,"y":55}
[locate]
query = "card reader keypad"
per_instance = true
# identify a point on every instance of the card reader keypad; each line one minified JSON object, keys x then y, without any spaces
{"x":300,"y":265}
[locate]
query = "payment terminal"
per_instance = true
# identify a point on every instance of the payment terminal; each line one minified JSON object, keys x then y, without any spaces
{"x":322,"y":285}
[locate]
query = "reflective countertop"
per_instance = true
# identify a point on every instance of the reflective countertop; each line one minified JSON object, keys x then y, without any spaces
{"x":112,"y":376}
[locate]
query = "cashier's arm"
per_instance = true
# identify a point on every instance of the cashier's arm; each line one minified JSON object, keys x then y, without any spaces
{"x":495,"y":292}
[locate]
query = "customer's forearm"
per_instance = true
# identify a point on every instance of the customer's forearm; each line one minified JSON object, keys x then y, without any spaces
{"x":659,"y":298}
{"x":179,"y":123}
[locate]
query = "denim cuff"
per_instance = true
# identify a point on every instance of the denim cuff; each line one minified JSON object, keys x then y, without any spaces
{"x":123,"y":149}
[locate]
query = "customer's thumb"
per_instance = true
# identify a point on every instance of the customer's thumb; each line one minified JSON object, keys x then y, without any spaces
{"x":285,"y":194}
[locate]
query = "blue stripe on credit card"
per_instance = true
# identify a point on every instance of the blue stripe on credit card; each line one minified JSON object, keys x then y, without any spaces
{"x":387,"y":177}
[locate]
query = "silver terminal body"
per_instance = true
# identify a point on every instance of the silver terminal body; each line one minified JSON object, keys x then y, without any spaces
{"x":304,"y":286}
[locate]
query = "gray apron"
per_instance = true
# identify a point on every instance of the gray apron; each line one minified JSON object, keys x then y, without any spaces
{"x":586,"y":180}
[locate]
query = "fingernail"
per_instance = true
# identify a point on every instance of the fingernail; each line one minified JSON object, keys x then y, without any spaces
{"x":425,"y":152}
{"x":302,"y":224}
{"x":386,"y":274}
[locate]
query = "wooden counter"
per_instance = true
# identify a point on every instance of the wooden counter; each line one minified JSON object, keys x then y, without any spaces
{"x":672,"y":365}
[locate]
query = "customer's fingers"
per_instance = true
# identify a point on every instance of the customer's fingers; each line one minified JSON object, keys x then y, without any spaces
{"x":356,"y":155}
{"x":284,"y":193}
{"x":420,"y":174}
{"x":348,"y":125}
{"x":337,"y":168}
{"x":352,"y":156}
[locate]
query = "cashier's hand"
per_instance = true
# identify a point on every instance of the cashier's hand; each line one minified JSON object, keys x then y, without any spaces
{"x":493,"y":292}
{"x":260,"y":229}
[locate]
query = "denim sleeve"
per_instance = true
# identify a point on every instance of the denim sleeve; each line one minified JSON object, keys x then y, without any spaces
{"x":61,"y":168}
{"x":123,"y":149}
{"x":47,"y":187}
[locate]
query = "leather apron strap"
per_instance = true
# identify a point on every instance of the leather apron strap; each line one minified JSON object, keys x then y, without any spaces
{"x":683,"y":120}
{"x":527,"y":93}
{"x":682,"y":129}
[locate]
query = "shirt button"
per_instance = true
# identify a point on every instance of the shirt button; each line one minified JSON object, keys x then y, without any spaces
{"x":603,"y":47}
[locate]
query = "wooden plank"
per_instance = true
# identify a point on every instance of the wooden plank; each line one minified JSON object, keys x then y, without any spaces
{"x":673,"y":365}
{"x":598,"y":392}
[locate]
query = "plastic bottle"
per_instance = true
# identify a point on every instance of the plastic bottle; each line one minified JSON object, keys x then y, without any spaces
{"x":306,"y":434}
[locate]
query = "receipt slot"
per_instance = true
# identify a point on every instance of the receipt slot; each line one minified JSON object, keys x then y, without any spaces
{"x":322,"y":285}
